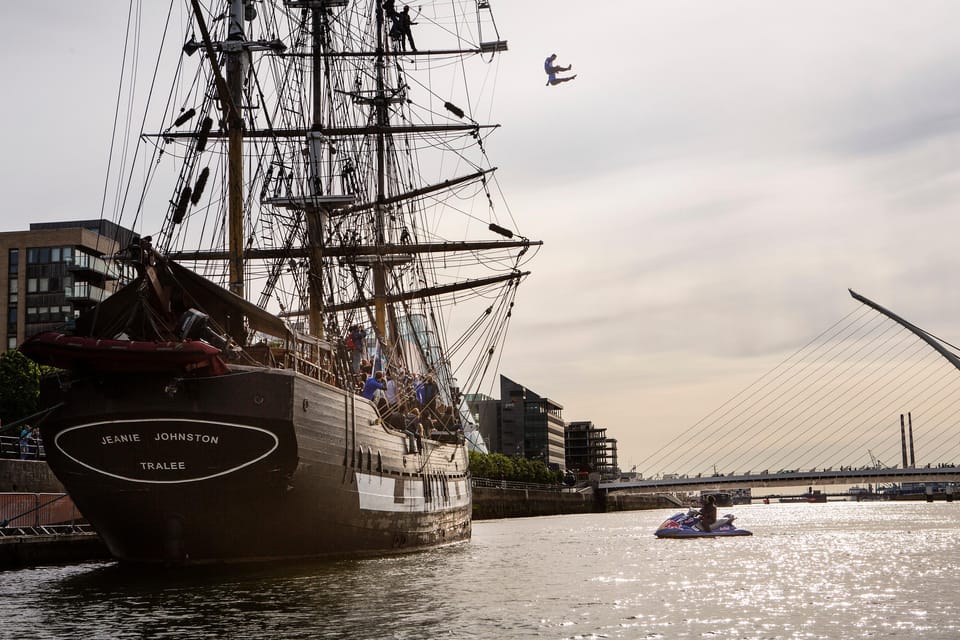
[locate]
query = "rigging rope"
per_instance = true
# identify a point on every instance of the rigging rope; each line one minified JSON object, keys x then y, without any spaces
{"x":826,"y":405}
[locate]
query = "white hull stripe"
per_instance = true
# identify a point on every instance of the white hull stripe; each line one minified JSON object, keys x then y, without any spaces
{"x":377,"y":493}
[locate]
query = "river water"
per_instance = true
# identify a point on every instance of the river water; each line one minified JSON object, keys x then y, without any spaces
{"x":835,"y":570}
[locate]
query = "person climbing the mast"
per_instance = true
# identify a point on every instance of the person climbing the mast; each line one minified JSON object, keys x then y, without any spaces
{"x":552,"y":70}
{"x":390,"y":10}
{"x":356,"y":336}
{"x":405,"y":34}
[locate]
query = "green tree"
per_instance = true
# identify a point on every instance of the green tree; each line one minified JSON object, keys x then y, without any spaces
{"x":496,"y":466}
{"x":19,"y":386}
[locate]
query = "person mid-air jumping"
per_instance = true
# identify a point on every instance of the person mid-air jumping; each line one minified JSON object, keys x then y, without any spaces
{"x":552,"y":71}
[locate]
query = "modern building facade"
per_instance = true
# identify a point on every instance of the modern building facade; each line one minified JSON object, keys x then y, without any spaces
{"x":588,"y":449}
{"x":521,"y":423}
{"x":524,"y":423}
{"x":53,"y":272}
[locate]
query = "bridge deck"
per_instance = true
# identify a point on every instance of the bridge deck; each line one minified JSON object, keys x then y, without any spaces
{"x":791,"y":478}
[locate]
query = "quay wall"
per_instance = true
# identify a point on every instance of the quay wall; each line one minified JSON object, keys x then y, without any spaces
{"x":490,"y":503}
{"x":32,"y":476}
{"x":37,"y":550}
{"x":495,"y":502}
{"x":619,"y":501}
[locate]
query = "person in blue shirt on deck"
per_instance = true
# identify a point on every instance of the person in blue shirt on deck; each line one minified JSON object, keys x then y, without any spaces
{"x":372,"y":385}
{"x":418,"y":388}
{"x":428,"y":398}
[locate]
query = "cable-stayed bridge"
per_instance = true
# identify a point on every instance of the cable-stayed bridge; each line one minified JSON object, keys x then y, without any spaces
{"x":790,"y":478}
{"x":872,"y":399}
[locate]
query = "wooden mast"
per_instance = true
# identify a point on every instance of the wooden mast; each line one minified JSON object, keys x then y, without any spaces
{"x":314,"y":213}
{"x":235,"y":144}
{"x":230,"y":94}
{"x":379,"y":268}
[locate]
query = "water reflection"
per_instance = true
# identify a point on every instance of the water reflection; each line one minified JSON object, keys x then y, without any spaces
{"x":840,"y":570}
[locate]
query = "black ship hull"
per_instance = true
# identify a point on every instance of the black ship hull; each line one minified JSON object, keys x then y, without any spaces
{"x":256,"y":464}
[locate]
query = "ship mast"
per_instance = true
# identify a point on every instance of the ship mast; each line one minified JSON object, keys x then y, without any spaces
{"x":313,"y":213}
{"x":230,"y":94}
{"x":379,"y":268}
{"x":234,"y":51}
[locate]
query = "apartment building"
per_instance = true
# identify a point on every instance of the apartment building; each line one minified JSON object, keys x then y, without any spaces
{"x":54,"y":271}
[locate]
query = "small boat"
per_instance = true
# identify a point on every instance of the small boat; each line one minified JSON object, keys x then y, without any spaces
{"x":95,"y":355}
{"x":811,"y":496}
{"x":687,"y":525}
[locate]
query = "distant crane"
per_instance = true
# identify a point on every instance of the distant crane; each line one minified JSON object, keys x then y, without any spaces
{"x":876,"y":463}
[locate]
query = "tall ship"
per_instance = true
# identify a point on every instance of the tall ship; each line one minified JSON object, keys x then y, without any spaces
{"x":324,"y":267}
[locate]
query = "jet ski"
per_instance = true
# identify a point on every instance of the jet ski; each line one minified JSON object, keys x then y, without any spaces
{"x":687,"y":525}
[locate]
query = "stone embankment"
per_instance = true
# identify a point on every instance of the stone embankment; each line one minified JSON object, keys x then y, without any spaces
{"x":500,"y":499}
{"x":30,"y":476}
{"x":62,"y":548}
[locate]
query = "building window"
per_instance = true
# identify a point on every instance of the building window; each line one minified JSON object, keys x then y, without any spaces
{"x":55,"y":254}
{"x":11,"y":343}
{"x":14,"y":261}
{"x":12,"y":316}
{"x":38,"y":255}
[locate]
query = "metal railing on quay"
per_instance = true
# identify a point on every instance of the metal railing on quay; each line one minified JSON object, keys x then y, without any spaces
{"x":39,"y":514}
{"x":13,"y":447}
{"x":489,"y":483}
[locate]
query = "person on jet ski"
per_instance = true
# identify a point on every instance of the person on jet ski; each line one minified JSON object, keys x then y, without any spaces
{"x":708,"y":513}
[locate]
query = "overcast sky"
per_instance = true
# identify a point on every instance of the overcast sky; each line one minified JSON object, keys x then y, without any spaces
{"x":707,"y":189}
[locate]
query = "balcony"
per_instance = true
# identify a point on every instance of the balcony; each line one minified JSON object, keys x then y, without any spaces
{"x":86,"y":266}
{"x":82,"y":292}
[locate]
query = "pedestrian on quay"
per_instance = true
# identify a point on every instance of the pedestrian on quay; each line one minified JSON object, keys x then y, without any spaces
{"x":35,"y":442}
{"x":24,"y":442}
